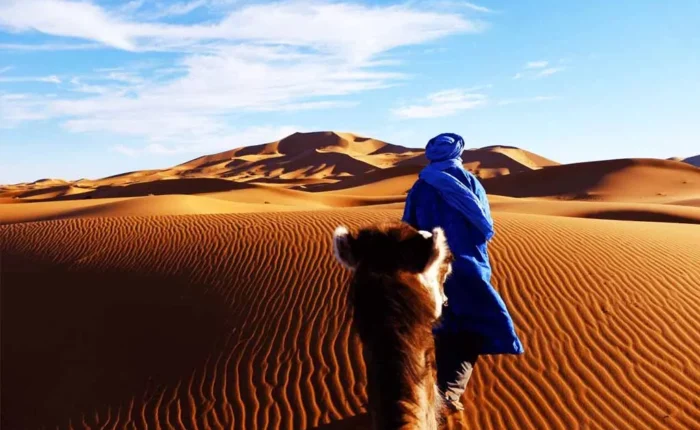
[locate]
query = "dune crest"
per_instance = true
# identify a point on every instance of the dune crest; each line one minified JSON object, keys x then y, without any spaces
{"x":317,"y":161}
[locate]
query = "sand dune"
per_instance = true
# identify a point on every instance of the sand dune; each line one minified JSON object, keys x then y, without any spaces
{"x":526,"y":158}
{"x":319,"y":161}
{"x":492,"y":161}
{"x":635,"y":180}
{"x":169,"y":322}
{"x":320,"y":155}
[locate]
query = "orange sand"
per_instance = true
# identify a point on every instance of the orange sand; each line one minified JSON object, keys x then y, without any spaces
{"x":216,"y":303}
{"x":169,"y":322}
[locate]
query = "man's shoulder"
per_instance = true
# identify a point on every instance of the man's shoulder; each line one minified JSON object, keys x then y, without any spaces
{"x":420,"y":186}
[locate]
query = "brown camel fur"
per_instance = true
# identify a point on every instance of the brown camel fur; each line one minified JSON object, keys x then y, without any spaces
{"x":396,"y":297}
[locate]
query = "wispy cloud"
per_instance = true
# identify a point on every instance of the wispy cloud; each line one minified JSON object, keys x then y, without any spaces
{"x":536,"y":64}
{"x":295,"y":23}
{"x":182,"y":8}
{"x":253,"y":58}
{"x":535,"y":99}
{"x":538,"y":69}
{"x":53,"y":79}
{"x":458,"y":4}
{"x":475,"y":7}
{"x":550,"y":71}
{"x":441,"y":104}
{"x":48,"y":46}
{"x":18,"y":108}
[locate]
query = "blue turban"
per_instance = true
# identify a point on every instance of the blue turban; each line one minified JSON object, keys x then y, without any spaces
{"x":445,"y":147}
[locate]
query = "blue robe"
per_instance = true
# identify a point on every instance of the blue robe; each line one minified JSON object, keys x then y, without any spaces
{"x":474,"y":306}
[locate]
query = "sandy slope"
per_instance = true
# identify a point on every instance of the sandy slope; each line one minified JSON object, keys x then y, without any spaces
{"x":169,"y":322}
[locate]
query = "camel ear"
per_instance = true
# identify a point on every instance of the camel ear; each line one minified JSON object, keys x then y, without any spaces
{"x":342,"y":247}
{"x":440,"y":242}
{"x":439,"y":252}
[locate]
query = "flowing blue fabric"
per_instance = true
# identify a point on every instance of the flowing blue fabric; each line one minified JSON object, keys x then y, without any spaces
{"x":448,"y":196}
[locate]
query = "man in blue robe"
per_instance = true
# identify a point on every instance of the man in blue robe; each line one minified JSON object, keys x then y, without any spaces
{"x":476,"y":321}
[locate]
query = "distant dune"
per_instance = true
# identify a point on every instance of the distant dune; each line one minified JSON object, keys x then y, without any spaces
{"x":649,"y":180}
{"x":319,"y":161}
{"x":206,"y":296}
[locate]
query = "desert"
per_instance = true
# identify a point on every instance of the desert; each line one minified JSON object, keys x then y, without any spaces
{"x":206,"y":295}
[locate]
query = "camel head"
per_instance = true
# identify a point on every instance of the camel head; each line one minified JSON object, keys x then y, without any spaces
{"x":397,"y":249}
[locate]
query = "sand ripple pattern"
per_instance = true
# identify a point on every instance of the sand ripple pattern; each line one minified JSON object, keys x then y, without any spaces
{"x":239,"y":321}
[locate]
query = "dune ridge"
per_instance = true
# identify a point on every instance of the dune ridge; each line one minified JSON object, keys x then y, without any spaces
{"x":610,"y":323}
{"x":317,"y":161}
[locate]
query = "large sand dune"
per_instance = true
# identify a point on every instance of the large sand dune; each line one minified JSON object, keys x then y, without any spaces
{"x":172,"y":322}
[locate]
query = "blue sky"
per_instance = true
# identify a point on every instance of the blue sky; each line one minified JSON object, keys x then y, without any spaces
{"x":95,"y":88}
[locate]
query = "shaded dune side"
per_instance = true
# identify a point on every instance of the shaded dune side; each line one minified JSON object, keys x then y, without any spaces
{"x":170,"y":322}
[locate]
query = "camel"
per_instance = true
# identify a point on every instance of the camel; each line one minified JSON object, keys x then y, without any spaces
{"x":396,"y":297}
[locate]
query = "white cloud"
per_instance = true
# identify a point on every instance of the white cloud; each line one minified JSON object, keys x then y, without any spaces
{"x":132,"y":5}
{"x":18,"y":108}
{"x":442,"y":103}
{"x":506,"y":102}
{"x":550,"y":71}
{"x":537,"y":64}
{"x":292,"y":23}
{"x":53,"y":79}
{"x":538,"y":69}
{"x":48,"y":46}
{"x":475,"y":7}
{"x":182,"y":8}
{"x":459,"y":4}
{"x":255,"y":58}
{"x":126,"y":77}
{"x":65,"y":18}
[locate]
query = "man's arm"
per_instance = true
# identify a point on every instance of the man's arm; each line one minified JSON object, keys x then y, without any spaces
{"x":409,"y":213}
{"x":483,"y":200}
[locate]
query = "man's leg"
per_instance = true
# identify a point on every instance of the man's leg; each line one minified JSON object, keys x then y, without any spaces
{"x":456,"y":355}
